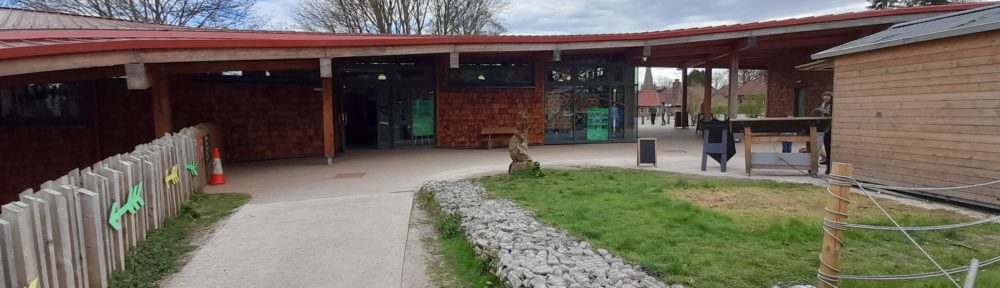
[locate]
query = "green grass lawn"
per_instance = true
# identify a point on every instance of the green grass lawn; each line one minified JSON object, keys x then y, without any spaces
{"x":160,"y":254}
{"x":705,"y":232}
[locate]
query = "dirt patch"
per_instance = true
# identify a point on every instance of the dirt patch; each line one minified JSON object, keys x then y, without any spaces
{"x":752,"y":199}
{"x":804,"y":201}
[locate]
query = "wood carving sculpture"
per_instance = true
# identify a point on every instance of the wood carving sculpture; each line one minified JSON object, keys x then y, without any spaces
{"x":518,"y":146}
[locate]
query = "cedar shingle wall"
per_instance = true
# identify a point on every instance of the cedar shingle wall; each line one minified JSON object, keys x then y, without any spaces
{"x":32,"y":155}
{"x":783,"y":79}
{"x":925,"y":114}
{"x":463,"y":112}
{"x":258,"y":121}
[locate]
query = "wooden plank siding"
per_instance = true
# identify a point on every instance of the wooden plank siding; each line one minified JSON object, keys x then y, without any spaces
{"x":925,"y":114}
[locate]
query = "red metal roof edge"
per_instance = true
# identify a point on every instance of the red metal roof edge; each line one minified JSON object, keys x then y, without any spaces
{"x":192,"y":39}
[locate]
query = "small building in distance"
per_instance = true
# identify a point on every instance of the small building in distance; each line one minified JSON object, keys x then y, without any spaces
{"x":919,"y":105}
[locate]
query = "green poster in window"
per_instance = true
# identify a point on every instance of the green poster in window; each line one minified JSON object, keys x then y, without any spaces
{"x":423,"y":118}
{"x":597,"y":124}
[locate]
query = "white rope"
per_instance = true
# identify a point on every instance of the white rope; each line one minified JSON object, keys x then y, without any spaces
{"x":899,"y":227}
{"x":835,"y":224}
{"x":918,"y":276}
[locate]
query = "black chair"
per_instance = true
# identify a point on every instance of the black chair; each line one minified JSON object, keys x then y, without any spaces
{"x":718,"y":144}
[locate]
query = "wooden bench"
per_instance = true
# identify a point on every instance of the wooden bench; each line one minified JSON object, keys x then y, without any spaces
{"x":488,"y":134}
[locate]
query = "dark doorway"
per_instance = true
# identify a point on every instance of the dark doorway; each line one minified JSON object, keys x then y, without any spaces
{"x":385,"y":103}
{"x":359,"y":115}
{"x":800,"y":102}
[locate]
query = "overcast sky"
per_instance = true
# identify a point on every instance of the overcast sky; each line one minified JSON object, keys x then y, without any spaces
{"x":536,"y":17}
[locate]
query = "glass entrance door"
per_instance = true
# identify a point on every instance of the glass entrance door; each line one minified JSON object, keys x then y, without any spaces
{"x":386,"y":104}
{"x":413,"y":114}
{"x":361,"y":108}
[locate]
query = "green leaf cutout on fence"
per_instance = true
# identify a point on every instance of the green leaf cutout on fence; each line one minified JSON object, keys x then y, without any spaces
{"x":131,"y":206}
{"x":192,"y":168}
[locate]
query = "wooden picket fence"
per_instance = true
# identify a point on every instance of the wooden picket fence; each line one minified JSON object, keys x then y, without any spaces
{"x":76,"y":230}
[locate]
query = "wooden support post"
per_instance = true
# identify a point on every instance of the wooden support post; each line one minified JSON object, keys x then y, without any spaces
{"x":734,"y":81}
{"x":836,"y":210}
{"x":748,"y":147}
{"x":706,"y":104}
{"x":813,"y":151}
{"x":162,"y":114}
{"x":326,"y":73}
{"x":684,"y":98}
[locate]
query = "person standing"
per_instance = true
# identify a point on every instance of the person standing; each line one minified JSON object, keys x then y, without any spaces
{"x":826,"y":110}
{"x":663,"y":115}
{"x":652,"y":115}
{"x":786,"y":146}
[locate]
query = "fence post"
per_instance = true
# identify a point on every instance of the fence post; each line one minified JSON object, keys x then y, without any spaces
{"x":836,"y":211}
{"x":970,"y":278}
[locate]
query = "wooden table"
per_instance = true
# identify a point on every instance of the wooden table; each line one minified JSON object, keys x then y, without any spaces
{"x":768,"y":130}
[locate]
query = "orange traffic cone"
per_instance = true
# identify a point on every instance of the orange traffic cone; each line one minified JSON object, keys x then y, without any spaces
{"x":217,"y":177}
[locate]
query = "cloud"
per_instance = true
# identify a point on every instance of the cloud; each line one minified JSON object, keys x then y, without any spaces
{"x":560,"y":17}
{"x":535,"y":17}
{"x":279,"y":12}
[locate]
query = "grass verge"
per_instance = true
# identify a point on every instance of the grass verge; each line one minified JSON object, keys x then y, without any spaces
{"x":160,"y":254}
{"x":705,"y":232}
{"x":458,"y":265}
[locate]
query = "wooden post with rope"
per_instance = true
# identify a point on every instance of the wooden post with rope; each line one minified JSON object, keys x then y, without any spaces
{"x":836,"y":210}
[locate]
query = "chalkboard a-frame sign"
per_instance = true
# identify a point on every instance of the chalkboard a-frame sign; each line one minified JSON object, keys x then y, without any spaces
{"x":645,"y":152}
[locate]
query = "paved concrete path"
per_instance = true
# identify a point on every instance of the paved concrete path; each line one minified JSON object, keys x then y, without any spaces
{"x":307,"y":227}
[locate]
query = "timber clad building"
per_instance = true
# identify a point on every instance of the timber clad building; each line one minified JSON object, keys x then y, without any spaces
{"x":76,"y":89}
{"x":919,"y":104}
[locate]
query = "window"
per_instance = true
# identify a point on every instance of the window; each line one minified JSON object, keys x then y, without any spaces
{"x":587,"y":100}
{"x":493,"y":72}
{"x":53,"y":103}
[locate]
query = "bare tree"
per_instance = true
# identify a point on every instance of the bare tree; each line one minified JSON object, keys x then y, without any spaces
{"x":363,"y":16}
{"x":469,"y":17}
{"x":663,"y":81}
{"x":720,"y":78}
{"x":192,"y":13}
{"x":747,"y":75}
{"x":447,"y":17}
{"x":893,"y":4}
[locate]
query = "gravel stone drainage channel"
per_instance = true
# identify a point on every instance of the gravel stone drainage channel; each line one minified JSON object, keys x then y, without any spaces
{"x":526,"y":253}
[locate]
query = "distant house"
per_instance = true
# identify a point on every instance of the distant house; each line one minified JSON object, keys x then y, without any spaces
{"x":756,"y":86}
{"x":919,"y":104}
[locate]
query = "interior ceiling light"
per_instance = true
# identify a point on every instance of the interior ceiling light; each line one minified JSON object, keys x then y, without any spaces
{"x":481,"y":77}
{"x":381,"y":77}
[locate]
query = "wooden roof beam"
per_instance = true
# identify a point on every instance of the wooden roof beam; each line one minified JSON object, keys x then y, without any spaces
{"x":220,"y":66}
{"x":737,"y":47}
